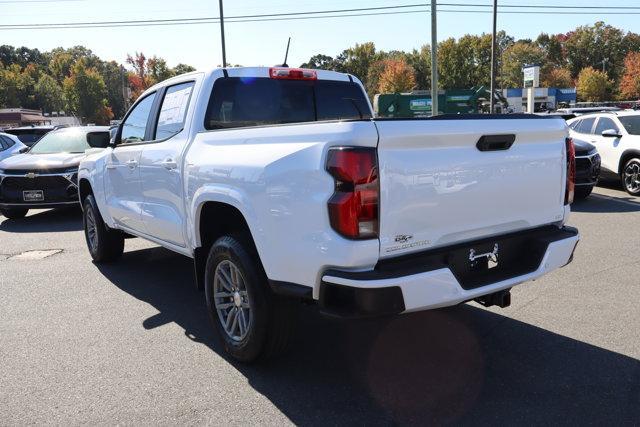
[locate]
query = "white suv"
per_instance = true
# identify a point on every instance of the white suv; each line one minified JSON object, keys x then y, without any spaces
{"x":616,"y":135}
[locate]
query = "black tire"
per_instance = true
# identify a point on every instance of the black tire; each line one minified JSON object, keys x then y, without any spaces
{"x":270,"y":318}
{"x":108,"y":244}
{"x":14,"y":213}
{"x":630,"y":176}
{"x":583,"y":192}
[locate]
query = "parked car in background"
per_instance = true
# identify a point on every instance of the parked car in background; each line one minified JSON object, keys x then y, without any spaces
{"x":579,"y":111}
{"x":587,"y":168}
{"x":29,"y":135}
{"x":46,"y":176}
{"x":282,"y":187}
{"x":10,"y":145}
{"x":616,"y":136}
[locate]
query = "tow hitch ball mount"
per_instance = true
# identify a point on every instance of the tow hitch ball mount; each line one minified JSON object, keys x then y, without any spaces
{"x":501,"y":298}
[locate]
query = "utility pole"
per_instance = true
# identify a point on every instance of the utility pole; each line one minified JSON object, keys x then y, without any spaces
{"x":492,"y":106}
{"x":434,"y":60}
{"x":224,"y":50}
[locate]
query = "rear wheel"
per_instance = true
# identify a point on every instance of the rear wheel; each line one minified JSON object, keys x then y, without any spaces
{"x":251,"y":321}
{"x":583,"y":192}
{"x":104,"y":243}
{"x":14,"y":213}
{"x":631,"y":177}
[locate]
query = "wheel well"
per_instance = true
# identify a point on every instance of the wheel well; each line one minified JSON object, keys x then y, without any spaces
{"x":625,"y":158}
{"x":85,"y":189}
{"x":216,"y":220}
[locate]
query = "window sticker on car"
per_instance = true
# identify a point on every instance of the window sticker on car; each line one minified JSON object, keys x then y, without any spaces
{"x":174,"y":106}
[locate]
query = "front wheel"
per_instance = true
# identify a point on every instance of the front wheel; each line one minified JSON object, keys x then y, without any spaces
{"x":14,"y":213}
{"x":631,"y":177}
{"x":104,"y":243}
{"x":251,"y":321}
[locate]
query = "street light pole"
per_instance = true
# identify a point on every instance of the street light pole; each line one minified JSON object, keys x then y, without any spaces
{"x":224,"y":50}
{"x":434,"y":60}
{"x":494,"y":53}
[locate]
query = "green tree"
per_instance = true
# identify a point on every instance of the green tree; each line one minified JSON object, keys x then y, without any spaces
{"x":466,"y":62}
{"x":593,"y":85}
{"x":115,"y":80}
{"x":514,"y":58}
{"x":590,"y":45}
{"x":9,"y":92}
{"x":420,"y":61}
{"x":158,"y":70}
{"x":60,"y":65}
{"x":182,"y":69}
{"x":48,"y":94}
{"x":86,"y":93}
{"x":320,"y":61}
{"x":357,"y":60}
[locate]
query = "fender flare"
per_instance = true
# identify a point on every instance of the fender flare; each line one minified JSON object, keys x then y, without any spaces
{"x":230,"y":196}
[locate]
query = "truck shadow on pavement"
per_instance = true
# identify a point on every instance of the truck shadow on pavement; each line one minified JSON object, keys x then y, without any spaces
{"x":49,"y":221}
{"x":463,"y":365}
{"x":597,"y":203}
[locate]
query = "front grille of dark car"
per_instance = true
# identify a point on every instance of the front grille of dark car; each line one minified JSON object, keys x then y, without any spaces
{"x":587,"y":169}
{"x":39,"y":171}
{"x":56,"y":189}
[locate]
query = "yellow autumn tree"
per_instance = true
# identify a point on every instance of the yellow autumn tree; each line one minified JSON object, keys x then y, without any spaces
{"x":593,"y":85}
{"x":557,"y":77}
{"x":397,"y":76}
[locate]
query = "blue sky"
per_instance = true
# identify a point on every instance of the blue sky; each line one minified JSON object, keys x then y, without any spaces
{"x":263,"y":43}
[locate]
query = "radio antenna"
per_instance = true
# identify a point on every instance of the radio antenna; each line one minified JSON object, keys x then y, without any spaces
{"x":286,"y":55}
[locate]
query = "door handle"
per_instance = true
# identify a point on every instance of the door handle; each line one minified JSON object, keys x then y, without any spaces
{"x":132,"y":164}
{"x":111,"y":166}
{"x":169,"y":164}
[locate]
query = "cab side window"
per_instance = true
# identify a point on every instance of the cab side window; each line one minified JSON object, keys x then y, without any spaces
{"x":605,"y":123}
{"x":585,"y":125}
{"x":173,"y":111}
{"x":134,"y":127}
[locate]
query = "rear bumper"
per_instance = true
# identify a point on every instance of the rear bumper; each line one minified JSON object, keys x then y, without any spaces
{"x":439,"y":278}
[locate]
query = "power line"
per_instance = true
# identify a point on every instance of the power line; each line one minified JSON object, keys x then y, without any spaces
{"x":39,"y":1}
{"x":298,"y":16}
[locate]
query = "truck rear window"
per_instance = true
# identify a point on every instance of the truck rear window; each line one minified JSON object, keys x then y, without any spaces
{"x":241,"y":102}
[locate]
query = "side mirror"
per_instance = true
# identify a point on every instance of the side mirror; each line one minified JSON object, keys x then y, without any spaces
{"x":611,"y":133}
{"x":23,"y":150}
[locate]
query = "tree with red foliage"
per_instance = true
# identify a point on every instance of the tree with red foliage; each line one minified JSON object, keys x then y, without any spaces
{"x":630,"y":83}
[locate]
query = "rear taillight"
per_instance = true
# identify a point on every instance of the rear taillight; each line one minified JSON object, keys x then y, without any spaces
{"x":353,"y":208}
{"x":571,"y":172}
{"x":292,"y":74}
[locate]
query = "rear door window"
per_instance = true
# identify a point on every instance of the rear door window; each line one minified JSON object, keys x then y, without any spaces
{"x":173,"y":111}
{"x":241,"y":102}
{"x":585,"y":125}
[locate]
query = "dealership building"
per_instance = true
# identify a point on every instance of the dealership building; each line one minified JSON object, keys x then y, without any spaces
{"x":545,"y":98}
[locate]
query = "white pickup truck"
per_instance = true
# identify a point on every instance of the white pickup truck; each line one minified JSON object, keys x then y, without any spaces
{"x":281,"y":186}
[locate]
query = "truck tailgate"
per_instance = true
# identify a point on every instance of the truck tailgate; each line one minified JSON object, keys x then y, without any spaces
{"x":438,"y":188}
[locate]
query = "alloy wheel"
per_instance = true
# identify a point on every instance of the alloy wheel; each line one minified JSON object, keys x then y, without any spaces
{"x":92,"y":230}
{"x":632,"y":177}
{"x":231,"y":300}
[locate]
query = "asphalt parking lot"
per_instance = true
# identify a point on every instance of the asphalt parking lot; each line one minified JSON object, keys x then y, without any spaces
{"x":130,"y":343}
